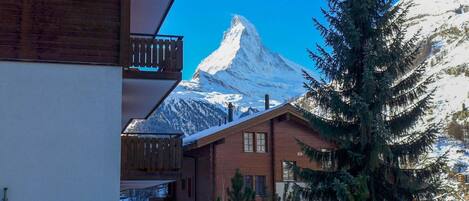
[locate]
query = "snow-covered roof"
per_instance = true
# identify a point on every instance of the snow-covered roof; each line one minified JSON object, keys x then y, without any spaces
{"x":213,"y":130}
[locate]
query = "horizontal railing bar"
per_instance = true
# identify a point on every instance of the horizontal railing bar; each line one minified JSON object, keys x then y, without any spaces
{"x":157,"y":36}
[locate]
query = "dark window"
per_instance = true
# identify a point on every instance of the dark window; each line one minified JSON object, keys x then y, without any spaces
{"x":248,"y":181}
{"x":327,"y":164}
{"x":260,"y":185}
{"x":261,"y":142}
{"x":288,"y":174}
{"x":183,"y":184}
{"x":189,"y":187}
{"x":248,"y":142}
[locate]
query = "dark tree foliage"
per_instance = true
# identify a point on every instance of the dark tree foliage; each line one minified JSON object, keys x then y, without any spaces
{"x":238,"y":191}
{"x":373,"y":97}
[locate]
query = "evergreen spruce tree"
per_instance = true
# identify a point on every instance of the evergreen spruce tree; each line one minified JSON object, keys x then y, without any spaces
{"x":374,"y":97}
{"x":238,"y":191}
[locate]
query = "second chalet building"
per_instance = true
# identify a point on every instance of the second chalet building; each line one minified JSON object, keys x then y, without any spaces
{"x":259,"y":145}
{"x":73,"y":74}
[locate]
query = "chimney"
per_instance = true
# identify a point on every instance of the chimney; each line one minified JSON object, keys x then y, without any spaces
{"x":267,"y":104}
{"x":230,"y":112}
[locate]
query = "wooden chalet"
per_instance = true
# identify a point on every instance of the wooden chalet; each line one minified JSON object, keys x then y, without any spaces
{"x":259,"y":145}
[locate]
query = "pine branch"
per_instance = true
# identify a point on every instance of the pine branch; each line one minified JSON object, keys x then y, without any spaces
{"x":334,"y":130}
{"x":405,"y":120}
{"x":330,"y":100}
{"x":416,"y":146}
{"x":404,"y":99}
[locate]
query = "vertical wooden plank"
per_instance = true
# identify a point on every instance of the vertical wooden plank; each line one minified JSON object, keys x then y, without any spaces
{"x":144,"y":152}
{"x":160,"y":54}
{"x":152,"y":156}
{"x":134,"y":153}
{"x":180,"y":154}
{"x":140,"y":51}
{"x":123,"y":155}
{"x":172,"y":55}
{"x":129,"y":153}
{"x":125,"y":33}
{"x":147,"y":52}
{"x":167,"y":55}
{"x":137,"y":153}
{"x":160,"y":154}
{"x":155,"y":53}
{"x":25,"y":49}
{"x":132,"y":52}
{"x":172,"y":146}
{"x":180,"y":54}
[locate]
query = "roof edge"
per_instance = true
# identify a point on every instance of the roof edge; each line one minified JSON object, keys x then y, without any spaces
{"x":217,"y":135}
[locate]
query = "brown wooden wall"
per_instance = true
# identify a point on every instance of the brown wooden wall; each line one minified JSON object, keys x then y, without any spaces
{"x":229,"y":156}
{"x":74,"y":31}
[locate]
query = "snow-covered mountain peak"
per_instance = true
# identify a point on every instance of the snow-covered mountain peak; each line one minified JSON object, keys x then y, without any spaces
{"x":240,"y":40}
{"x":241,"y":31}
{"x":243,"y":65}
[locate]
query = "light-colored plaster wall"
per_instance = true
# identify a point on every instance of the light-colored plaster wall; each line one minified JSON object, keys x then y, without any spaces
{"x":60,"y":131}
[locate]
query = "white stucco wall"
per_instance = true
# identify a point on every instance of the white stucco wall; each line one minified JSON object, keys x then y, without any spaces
{"x":60,"y":131}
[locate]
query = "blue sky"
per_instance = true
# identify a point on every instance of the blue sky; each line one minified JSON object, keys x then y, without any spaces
{"x":285,"y":26}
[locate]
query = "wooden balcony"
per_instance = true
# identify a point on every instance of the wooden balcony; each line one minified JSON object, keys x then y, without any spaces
{"x":161,"y":54}
{"x":150,"y":156}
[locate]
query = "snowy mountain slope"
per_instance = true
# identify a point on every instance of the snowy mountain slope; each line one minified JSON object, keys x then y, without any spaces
{"x":445,"y":25}
{"x":242,"y":70}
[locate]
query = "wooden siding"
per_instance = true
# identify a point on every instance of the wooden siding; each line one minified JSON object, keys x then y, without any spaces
{"x":74,"y":31}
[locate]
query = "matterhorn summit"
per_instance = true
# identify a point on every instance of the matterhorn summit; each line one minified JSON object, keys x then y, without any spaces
{"x":243,"y":65}
{"x":240,"y":38}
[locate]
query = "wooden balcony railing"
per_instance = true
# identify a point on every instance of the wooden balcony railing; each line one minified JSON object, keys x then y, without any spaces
{"x":150,"y":154}
{"x":163,"y":53}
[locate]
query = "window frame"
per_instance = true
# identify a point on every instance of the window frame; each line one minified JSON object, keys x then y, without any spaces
{"x":247,"y":178}
{"x":246,"y":144}
{"x":329,"y":164}
{"x":264,"y":145}
{"x":263,"y":192}
{"x":290,"y":175}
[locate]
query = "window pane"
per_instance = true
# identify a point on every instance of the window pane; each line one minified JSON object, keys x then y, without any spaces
{"x":288,"y":174}
{"x":248,"y":142}
{"x":248,"y":182}
{"x":260,"y":185}
{"x":261,"y":142}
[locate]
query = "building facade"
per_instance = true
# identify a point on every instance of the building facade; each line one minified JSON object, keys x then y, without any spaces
{"x":70,"y":83}
{"x":261,"y":146}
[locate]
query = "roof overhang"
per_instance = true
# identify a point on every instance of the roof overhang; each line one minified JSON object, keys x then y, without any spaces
{"x":143,"y":92}
{"x":273,"y":113}
{"x":147,"y":16}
